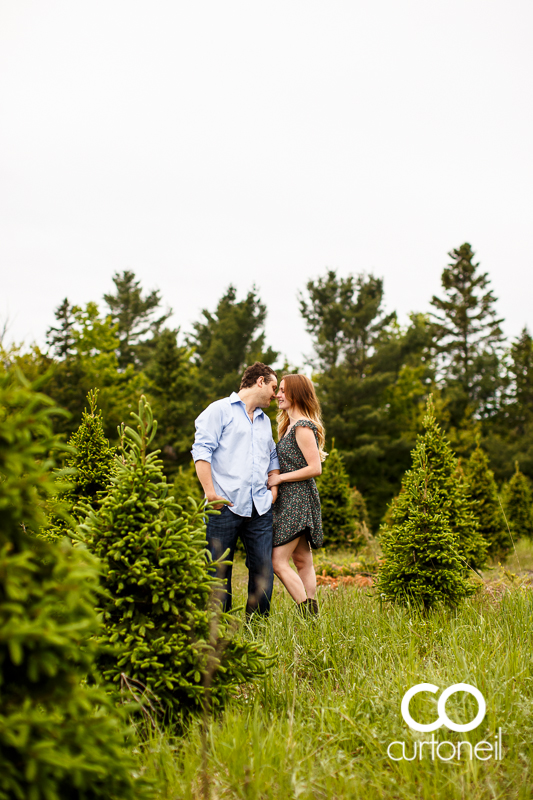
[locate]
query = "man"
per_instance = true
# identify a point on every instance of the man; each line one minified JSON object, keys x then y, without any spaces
{"x":234,"y":453}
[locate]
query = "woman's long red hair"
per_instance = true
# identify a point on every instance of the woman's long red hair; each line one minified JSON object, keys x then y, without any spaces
{"x":300,"y":393}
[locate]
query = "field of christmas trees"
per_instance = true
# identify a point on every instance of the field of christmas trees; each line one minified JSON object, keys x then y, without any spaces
{"x":120,"y":677}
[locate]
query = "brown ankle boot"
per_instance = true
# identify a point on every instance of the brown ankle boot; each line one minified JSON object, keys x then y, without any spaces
{"x":313,"y":606}
{"x":308,"y":608}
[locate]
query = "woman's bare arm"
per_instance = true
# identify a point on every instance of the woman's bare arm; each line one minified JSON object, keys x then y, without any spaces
{"x":305,"y":438}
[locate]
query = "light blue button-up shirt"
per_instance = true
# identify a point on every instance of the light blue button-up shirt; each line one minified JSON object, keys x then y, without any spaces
{"x":241,"y":453}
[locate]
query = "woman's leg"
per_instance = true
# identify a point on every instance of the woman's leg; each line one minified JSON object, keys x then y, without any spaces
{"x":289,"y":578}
{"x":303,"y":561}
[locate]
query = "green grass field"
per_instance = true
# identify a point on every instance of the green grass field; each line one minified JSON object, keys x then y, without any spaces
{"x":319,"y":726}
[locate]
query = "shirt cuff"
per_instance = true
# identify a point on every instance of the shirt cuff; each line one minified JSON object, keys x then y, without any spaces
{"x":274,"y":463}
{"x":200,"y":452}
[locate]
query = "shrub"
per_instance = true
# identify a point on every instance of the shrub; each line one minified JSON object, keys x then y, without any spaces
{"x":186,"y":486}
{"x":432,"y":528}
{"x":336,"y":501}
{"x":158,"y":587}
{"x":90,"y":465}
{"x":517,"y":504}
{"x":484,"y":492}
{"x":58,"y":739}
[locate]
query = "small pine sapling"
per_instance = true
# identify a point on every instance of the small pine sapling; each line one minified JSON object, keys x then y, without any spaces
{"x":88,"y":466}
{"x":484,"y":493}
{"x":362,"y":535}
{"x":517,"y":504}
{"x":187,"y":487}
{"x":424,"y":563}
{"x":336,"y":501}
{"x":157,"y":606}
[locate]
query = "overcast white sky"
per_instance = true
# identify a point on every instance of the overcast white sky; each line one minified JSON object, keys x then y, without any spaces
{"x":202,"y":143}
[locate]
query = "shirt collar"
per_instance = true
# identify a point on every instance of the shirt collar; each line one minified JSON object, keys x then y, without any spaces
{"x":234,"y":398}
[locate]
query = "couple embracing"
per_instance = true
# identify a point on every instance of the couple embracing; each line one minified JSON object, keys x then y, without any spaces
{"x":271,"y":499}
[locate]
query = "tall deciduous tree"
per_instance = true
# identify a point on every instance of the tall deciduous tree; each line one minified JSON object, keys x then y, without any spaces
{"x":136,"y":316}
{"x":226,"y":341}
{"x":468,"y":336}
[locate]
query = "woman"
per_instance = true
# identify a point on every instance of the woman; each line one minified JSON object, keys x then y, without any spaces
{"x":297,"y":518}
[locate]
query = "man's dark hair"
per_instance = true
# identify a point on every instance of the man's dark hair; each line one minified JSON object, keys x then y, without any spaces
{"x":255,"y":371}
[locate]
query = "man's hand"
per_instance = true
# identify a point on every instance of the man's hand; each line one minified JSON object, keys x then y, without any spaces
{"x":215,"y":498}
{"x":274,"y":491}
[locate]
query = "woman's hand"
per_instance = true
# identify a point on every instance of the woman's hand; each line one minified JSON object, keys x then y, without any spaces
{"x":273,"y":480}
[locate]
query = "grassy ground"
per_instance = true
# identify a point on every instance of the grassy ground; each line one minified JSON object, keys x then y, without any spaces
{"x":320,"y":724}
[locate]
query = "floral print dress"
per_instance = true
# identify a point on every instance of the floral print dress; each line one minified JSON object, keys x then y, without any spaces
{"x":297,"y":508}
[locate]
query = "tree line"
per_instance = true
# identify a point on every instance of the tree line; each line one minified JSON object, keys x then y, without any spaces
{"x":373,"y":375}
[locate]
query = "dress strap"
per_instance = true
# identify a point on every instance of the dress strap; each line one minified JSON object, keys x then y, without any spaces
{"x":306,"y":423}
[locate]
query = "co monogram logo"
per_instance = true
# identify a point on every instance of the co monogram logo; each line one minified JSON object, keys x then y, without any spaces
{"x":443,"y":718}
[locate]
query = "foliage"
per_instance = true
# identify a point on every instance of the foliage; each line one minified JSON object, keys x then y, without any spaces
{"x":134,"y":316}
{"x":186,"y":486}
{"x":517,"y":504}
{"x":336,"y":501}
{"x":509,"y":437}
{"x":348,"y":672}
{"x":94,"y":363}
{"x":484,"y":492}
{"x":90,"y":464}
{"x":432,"y":536}
{"x":61,"y":339}
{"x":373,"y":378}
{"x":157,"y":605}
{"x":227,"y":341}
{"x":172,"y":386}
{"x":468,"y":336}
{"x":344,"y":317}
{"x":57,"y":738}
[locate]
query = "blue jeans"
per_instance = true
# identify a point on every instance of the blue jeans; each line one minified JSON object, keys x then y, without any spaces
{"x":223,"y":530}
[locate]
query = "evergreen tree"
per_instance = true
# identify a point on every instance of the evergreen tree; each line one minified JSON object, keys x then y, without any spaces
{"x":359,"y":507}
{"x":517,"y":505}
{"x":61,"y":339}
{"x":373,"y":378}
{"x":424,"y":543}
{"x":186,"y":487}
{"x":173,"y":385}
{"x":58,"y":738}
{"x":226,"y":342}
{"x":345,"y":318}
{"x":484,"y":492}
{"x":156,"y":605}
{"x":336,"y":501}
{"x":361,"y":533}
{"x":135,"y":316}
{"x":94,"y":364}
{"x":468,"y":336}
{"x":91,"y":465}
{"x":520,"y":408}
{"x":509,"y":436}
